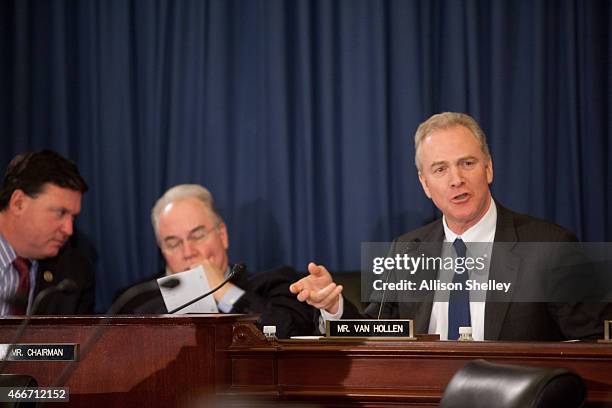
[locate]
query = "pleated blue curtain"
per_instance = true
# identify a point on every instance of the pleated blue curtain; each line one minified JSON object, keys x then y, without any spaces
{"x":299,"y":115}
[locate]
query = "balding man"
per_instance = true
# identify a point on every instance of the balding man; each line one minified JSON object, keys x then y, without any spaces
{"x":190,"y":232}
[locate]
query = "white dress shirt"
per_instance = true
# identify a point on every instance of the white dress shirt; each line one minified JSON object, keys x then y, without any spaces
{"x":482,"y":231}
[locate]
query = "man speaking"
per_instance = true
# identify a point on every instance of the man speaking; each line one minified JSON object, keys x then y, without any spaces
{"x":455,"y":170}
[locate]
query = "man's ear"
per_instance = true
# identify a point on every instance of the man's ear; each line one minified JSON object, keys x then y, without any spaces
{"x":19,"y":201}
{"x":489,"y":170}
{"x":424,"y":185}
{"x":224,"y":236}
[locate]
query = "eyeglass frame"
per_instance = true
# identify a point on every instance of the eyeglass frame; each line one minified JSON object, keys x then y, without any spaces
{"x":206,"y":232}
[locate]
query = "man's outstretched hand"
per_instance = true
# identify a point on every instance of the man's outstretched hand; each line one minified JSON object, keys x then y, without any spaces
{"x":318,"y":289}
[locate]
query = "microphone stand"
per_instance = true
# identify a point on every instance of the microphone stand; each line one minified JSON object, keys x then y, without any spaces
{"x":125,"y":297}
{"x":238,"y":268}
{"x":382,"y":300}
{"x":121,"y":302}
{"x":66,"y":286}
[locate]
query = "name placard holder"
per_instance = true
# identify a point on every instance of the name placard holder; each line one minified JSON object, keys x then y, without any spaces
{"x":370,"y":329}
{"x":39,"y":352}
{"x":607,"y":331}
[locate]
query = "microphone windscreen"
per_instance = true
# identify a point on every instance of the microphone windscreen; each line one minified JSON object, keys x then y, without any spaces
{"x":67,"y":286}
{"x":239,"y":267}
{"x":170,"y":283}
{"x":16,"y":300}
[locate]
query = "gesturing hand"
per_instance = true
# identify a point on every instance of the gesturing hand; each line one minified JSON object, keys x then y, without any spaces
{"x":318,"y":289}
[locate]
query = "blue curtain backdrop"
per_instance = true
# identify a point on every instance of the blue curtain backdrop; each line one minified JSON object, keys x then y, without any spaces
{"x":299,"y":115}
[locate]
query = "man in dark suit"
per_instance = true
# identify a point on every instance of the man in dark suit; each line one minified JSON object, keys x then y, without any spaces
{"x":455,"y":170}
{"x":39,"y":199}
{"x":75,"y":262}
{"x":190,"y":232}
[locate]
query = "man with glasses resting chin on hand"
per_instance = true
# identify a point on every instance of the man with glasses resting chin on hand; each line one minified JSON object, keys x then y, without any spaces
{"x":190,"y":232}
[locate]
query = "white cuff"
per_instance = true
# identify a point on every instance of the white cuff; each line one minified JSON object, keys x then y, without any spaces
{"x":328,"y":316}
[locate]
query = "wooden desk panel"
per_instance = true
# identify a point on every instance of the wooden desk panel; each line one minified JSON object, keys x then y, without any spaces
{"x":409,"y":373}
{"x":137,"y":360}
{"x":213,"y":360}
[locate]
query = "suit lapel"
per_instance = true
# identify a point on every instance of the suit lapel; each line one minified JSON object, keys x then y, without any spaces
{"x":504,"y":267}
{"x":422,"y":310}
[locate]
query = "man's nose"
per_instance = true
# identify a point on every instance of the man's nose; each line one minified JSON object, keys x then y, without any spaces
{"x":67,"y":227}
{"x":456,"y":176}
{"x":189,"y":250}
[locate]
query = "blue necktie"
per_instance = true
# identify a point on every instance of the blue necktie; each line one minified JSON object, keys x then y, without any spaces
{"x":459,"y":300}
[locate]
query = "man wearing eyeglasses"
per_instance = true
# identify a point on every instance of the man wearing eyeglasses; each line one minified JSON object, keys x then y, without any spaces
{"x":190,"y":233}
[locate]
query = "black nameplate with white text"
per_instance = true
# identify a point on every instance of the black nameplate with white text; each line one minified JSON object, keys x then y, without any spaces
{"x":38,"y":352}
{"x":370,"y":328}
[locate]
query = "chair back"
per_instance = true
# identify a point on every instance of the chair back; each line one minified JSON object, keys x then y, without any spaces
{"x":481,"y":384}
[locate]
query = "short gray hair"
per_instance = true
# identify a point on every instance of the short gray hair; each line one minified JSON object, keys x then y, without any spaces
{"x":447,"y":120}
{"x":181,"y":192}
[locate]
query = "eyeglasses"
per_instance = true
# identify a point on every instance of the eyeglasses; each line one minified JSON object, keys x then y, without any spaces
{"x":199,"y":234}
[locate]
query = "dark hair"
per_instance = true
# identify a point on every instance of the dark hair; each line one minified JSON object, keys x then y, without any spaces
{"x":30,"y":171}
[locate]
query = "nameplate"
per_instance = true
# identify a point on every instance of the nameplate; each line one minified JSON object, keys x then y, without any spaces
{"x":370,"y":328}
{"x":38,"y":352}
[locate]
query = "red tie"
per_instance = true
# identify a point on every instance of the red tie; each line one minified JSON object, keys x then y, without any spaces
{"x":23,"y":289}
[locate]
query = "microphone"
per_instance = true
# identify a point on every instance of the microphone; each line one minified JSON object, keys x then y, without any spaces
{"x":117,"y":305}
{"x":138,"y":290}
{"x":236,"y":269}
{"x":121,"y":301}
{"x":170,"y":283}
{"x":65,"y":286}
{"x":409,"y":247}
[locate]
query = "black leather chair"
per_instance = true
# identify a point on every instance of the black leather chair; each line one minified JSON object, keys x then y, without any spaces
{"x":484,"y":384}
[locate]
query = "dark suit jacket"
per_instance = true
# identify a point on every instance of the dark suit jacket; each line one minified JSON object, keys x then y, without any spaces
{"x":266,"y":293}
{"x":506,"y":320}
{"x":73,"y":263}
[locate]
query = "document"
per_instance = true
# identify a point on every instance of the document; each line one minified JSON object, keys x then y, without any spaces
{"x":193,"y":283}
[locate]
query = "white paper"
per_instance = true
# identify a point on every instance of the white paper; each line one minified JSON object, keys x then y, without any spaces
{"x":193,"y":283}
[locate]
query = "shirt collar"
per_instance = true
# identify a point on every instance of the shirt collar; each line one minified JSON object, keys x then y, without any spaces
{"x":482,"y":231}
{"x":7,"y":253}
